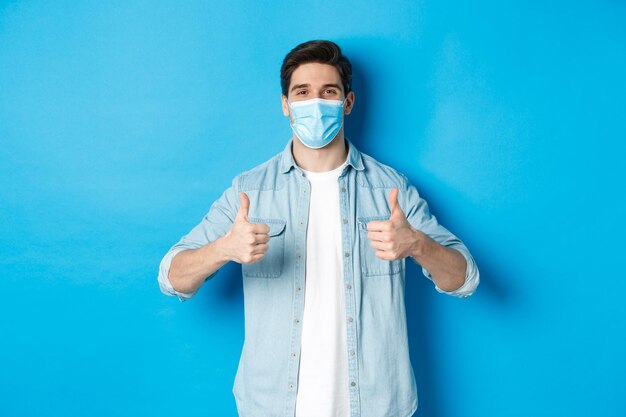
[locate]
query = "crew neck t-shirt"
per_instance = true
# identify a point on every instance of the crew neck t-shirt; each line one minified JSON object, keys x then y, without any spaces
{"x":323,"y":373}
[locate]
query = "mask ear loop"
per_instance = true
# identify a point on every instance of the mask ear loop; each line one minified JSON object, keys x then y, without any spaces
{"x":343,"y":105}
{"x":290,"y":110}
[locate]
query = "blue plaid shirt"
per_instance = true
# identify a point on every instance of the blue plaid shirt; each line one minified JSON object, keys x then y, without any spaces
{"x":380,"y":376}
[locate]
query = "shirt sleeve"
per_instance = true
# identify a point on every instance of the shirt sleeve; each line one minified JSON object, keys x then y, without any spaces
{"x":419,"y":216}
{"x":216,"y":223}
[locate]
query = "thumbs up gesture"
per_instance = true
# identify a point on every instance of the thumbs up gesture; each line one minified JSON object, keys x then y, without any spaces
{"x":395,"y":238}
{"x":246,"y":242}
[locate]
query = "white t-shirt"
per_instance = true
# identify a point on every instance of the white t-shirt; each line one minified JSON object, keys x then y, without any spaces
{"x":323,"y":374}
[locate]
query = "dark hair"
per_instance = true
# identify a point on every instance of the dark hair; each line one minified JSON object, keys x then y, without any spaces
{"x":323,"y":52}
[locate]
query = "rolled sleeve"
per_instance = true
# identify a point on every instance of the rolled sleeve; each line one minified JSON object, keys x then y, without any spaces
{"x":472,"y":277}
{"x":216,"y":223}
{"x":419,"y":216}
{"x":164,"y":282}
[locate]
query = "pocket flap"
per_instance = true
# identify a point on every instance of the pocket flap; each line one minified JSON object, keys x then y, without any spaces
{"x":276,"y":225}
{"x":363,"y":221}
{"x":276,"y":228}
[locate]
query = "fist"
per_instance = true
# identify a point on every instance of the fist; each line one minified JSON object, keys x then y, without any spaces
{"x":246,"y":242}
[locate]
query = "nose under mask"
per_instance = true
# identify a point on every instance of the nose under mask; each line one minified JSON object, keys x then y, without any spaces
{"x":317,"y":121}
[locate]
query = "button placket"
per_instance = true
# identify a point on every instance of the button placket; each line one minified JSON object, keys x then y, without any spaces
{"x":349,"y":296}
{"x":298,"y":299}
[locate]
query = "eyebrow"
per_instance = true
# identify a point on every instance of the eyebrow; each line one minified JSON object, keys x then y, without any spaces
{"x":337,"y":86}
{"x":297,"y":86}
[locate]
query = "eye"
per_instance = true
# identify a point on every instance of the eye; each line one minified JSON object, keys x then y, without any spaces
{"x":301,"y":93}
{"x":330,"y":91}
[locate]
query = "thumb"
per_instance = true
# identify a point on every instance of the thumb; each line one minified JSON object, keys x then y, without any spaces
{"x":242,"y":213}
{"x":396,"y":211}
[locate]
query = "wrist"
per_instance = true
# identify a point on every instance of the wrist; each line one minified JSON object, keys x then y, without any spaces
{"x":220,"y":246}
{"x":417,"y":248}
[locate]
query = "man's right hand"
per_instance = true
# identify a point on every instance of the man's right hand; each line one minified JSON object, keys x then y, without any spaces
{"x":245,"y":242}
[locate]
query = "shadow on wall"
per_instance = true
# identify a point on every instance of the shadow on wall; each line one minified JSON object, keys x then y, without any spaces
{"x":421,"y":299}
{"x":356,"y":122}
{"x":226,"y":290}
{"x":495,"y":275}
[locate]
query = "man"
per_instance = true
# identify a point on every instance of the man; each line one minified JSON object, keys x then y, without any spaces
{"x":322,"y":232}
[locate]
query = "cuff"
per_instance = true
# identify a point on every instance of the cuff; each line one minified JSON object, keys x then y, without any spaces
{"x":164,"y":282}
{"x":472,"y":277}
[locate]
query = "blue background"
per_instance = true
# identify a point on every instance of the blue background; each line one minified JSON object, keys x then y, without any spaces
{"x":121,"y":122}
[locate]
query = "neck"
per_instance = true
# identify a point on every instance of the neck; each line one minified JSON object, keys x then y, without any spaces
{"x":323,"y":159}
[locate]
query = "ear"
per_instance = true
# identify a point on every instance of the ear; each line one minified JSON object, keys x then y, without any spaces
{"x":349,"y":103}
{"x":285,"y":106}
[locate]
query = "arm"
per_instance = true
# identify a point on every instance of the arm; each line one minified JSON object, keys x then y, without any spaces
{"x":190,"y":268}
{"x":417,"y":235}
{"x":446,"y":266}
{"x":197,"y":257}
{"x":243,"y":243}
{"x":444,"y":258}
{"x":225,"y":234}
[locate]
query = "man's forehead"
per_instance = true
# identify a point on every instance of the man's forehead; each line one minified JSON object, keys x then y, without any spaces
{"x":315,"y":73}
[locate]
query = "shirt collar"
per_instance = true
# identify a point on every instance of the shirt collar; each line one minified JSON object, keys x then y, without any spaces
{"x":354,"y":157}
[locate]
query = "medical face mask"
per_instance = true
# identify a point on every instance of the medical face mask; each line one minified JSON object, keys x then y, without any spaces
{"x":317,"y":121}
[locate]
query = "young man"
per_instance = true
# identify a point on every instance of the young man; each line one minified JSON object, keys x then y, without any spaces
{"x":322,"y":232}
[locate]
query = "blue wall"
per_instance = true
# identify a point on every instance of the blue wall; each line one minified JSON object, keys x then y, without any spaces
{"x":121,"y":122}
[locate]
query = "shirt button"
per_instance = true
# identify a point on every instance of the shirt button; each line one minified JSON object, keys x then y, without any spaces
{"x":352,"y":353}
{"x":298,"y":289}
{"x":296,"y":321}
{"x":350,"y":319}
{"x":345,"y":221}
{"x":293,"y":354}
{"x":290,"y":386}
{"x":349,"y":286}
{"x":343,"y":189}
{"x":347,"y":254}
{"x":353,"y":383}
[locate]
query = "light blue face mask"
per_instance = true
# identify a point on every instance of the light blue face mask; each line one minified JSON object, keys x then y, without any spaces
{"x":317,"y":121}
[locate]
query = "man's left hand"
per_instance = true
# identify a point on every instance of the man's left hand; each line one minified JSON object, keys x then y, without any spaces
{"x":395,"y":238}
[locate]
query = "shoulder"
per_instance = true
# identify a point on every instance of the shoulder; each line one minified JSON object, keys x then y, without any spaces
{"x":379,"y":175}
{"x":264,"y":176}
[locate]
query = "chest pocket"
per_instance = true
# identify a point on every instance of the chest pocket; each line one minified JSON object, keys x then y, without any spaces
{"x":272,"y":263}
{"x":370,"y":263}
